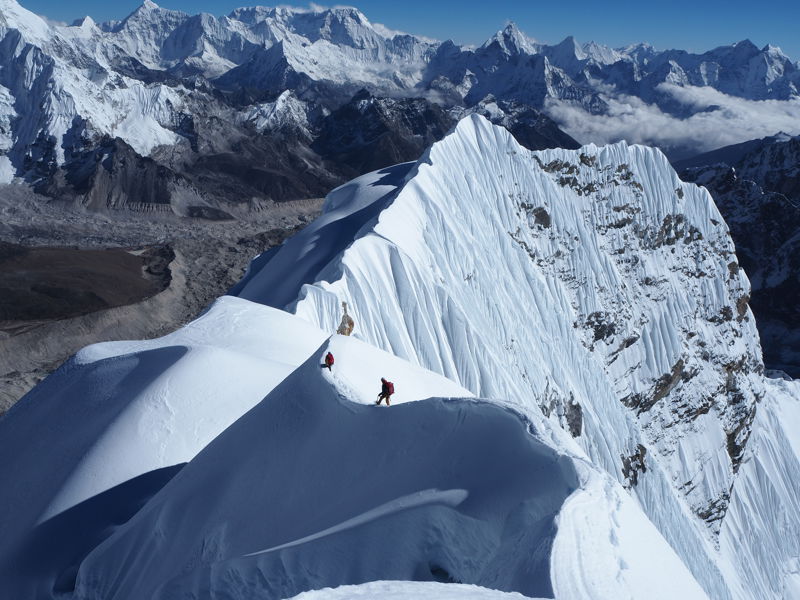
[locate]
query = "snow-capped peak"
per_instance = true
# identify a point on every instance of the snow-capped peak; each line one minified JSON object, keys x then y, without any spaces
{"x":85,"y":22}
{"x":745,"y":44}
{"x":774,"y":51}
{"x":566,"y":50}
{"x":781,"y":137}
{"x":151,"y":13}
{"x":601,"y":54}
{"x":512,"y":41}
{"x":632,"y":335}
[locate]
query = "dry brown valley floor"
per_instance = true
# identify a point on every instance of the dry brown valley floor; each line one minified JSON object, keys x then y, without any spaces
{"x":69,"y":278}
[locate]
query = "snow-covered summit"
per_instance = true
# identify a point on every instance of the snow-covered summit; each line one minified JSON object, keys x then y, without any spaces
{"x":512,"y":41}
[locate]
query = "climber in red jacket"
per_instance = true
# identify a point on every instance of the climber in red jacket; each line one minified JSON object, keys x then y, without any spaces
{"x":387,"y":389}
{"x":328,"y":361}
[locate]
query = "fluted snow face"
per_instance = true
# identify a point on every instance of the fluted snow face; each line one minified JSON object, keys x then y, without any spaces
{"x":549,"y":279}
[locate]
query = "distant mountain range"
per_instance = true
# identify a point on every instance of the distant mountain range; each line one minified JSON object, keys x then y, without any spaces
{"x":235,"y":111}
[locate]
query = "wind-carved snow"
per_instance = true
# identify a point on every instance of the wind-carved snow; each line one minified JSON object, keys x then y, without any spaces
{"x":149,"y":405}
{"x":592,"y":289}
{"x":761,"y":531}
{"x":446,"y":497}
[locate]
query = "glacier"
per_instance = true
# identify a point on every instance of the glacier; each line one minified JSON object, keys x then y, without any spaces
{"x":583,"y":309}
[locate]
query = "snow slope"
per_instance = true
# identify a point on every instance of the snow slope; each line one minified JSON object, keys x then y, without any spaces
{"x":601,"y":521}
{"x":440,"y":489}
{"x":765,"y":501}
{"x":120,"y":410}
{"x":370,"y":493}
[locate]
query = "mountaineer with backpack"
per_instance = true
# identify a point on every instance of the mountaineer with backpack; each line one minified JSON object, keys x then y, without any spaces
{"x":387,"y":389}
{"x":328,"y":361}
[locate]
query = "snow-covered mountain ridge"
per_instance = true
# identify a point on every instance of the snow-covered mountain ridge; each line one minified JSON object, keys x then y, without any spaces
{"x":631,"y":274}
{"x":589,"y":298}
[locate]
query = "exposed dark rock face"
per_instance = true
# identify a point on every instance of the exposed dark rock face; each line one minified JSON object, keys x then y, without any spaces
{"x":531,"y":128}
{"x":757,"y":190}
{"x":223,"y":165}
{"x":370,"y":133}
{"x":634,"y":464}
{"x":111,"y":175}
{"x":661,"y":387}
{"x":573,"y":413}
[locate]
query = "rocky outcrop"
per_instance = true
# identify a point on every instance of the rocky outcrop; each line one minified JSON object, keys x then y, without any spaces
{"x":369,"y":133}
{"x":347,"y":325}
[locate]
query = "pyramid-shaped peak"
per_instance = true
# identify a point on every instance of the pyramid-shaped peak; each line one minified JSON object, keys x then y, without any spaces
{"x":566,"y":50}
{"x":746,"y":44}
{"x":568,"y":42}
{"x":85,"y":22}
{"x":512,"y":40}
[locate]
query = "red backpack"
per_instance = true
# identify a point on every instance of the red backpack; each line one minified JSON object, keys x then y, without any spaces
{"x":390,"y":387}
{"x":329,"y":359}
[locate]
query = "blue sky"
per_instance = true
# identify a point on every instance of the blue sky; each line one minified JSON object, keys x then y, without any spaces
{"x":691,"y":25}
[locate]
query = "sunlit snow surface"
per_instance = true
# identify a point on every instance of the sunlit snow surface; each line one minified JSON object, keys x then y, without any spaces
{"x":498,"y":289}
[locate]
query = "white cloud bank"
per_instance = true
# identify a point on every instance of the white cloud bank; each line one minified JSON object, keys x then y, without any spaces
{"x":721,"y":120}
